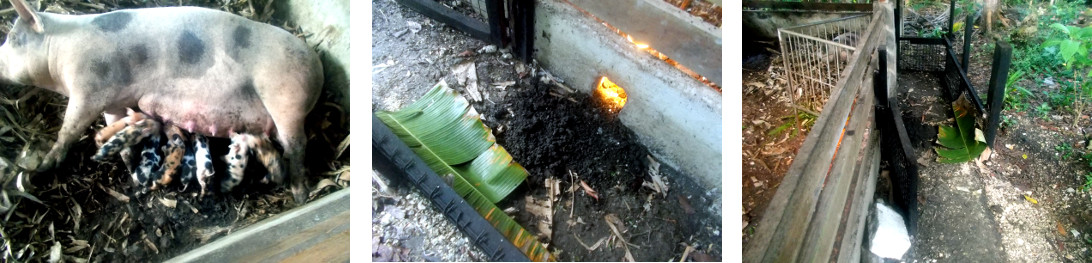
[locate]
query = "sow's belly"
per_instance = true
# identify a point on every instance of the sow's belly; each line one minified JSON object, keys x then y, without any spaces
{"x":210,"y":116}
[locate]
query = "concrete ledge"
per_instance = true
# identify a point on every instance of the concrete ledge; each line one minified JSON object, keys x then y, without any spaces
{"x":682,"y":37}
{"x":677,"y":117}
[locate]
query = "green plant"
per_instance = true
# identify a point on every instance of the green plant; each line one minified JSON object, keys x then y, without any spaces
{"x":936,"y":32}
{"x":1073,"y":50}
{"x":1061,"y":99}
{"x":1007,"y":122}
{"x":1018,"y":95}
{"x":963,"y":142}
{"x":448,"y":134}
{"x":1043,"y":110}
{"x":1065,"y":149}
{"x":806,"y":121}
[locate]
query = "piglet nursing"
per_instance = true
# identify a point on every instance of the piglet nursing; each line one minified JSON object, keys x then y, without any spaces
{"x":211,"y":73}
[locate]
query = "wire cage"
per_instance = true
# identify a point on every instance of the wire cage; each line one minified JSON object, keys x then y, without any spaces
{"x":476,"y":7}
{"x":934,"y":40}
{"x":815,"y":55}
{"x":922,"y":33}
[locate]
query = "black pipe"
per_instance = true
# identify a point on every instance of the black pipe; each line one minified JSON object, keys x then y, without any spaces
{"x":391,"y":156}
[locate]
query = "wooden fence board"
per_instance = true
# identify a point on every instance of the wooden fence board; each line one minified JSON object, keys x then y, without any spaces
{"x":796,"y":218}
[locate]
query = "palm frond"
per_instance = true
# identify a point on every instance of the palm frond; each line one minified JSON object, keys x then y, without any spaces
{"x":448,"y":134}
{"x":963,"y":142}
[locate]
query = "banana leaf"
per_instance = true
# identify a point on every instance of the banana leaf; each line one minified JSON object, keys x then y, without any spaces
{"x":448,"y":134}
{"x":964,"y":142}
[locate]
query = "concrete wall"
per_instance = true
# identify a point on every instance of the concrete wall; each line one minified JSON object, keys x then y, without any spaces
{"x":677,"y":117}
{"x":328,"y":21}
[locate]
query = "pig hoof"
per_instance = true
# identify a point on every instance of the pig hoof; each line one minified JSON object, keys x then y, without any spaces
{"x":49,"y":162}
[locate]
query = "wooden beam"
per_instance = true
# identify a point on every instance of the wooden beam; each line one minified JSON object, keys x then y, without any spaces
{"x":314,"y":231}
{"x":665,"y":28}
{"x":778,"y":5}
{"x":820,"y":237}
{"x":853,"y":230}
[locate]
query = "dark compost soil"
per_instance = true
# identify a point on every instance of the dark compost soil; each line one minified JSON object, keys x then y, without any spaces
{"x":551,"y":133}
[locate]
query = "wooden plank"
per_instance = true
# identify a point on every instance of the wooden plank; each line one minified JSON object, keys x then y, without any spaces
{"x":824,"y":227}
{"x":850,"y":250}
{"x":782,"y":227}
{"x":313,"y":231}
{"x":853,"y":237}
{"x":816,"y":6}
{"x":684,"y":38}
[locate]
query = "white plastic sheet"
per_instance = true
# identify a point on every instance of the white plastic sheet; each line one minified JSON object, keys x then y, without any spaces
{"x":890,"y":239}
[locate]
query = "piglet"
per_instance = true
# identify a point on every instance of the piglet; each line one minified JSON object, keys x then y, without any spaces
{"x":209,"y":72}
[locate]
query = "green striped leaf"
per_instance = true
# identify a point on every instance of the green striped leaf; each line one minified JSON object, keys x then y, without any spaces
{"x":450,"y":137}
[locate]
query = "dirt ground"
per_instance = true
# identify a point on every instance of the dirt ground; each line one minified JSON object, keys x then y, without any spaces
{"x":550,"y":132}
{"x":766,"y":155}
{"x":90,"y":211}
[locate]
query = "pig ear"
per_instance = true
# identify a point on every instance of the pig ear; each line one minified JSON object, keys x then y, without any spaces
{"x":28,"y":15}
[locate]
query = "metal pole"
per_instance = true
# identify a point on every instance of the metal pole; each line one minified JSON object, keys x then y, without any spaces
{"x":1002,"y":55}
{"x":968,"y":30}
{"x":951,"y":18}
{"x":495,"y":15}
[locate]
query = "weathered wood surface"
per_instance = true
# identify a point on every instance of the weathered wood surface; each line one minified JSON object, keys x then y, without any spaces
{"x":853,"y":229}
{"x":853,"y":236}
{"x":816,"y":6}
{"x":316,"y":232}
{"x":684,"y":38}
{"x":820,"y":237}
{"x":805,"y":217}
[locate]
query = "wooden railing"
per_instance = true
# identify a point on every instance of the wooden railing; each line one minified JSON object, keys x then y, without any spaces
{"x":819,"y":209}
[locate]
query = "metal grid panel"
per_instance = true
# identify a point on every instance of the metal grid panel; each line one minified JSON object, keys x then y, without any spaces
{"x":473,"y":8}
{"x":921,"y":56}
{"x":816,"y":54}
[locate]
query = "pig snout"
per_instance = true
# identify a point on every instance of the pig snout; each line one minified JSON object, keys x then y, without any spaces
{"x":210,"y":72}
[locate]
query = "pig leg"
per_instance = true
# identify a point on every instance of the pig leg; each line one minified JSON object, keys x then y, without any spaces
{"x":294,"y":144}
{"x":77,"y":117}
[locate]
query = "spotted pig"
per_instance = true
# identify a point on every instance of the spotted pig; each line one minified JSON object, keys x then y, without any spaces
{"x":209,"y":72}
{"x":175,"y":150}
{"x":203,"y":161}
